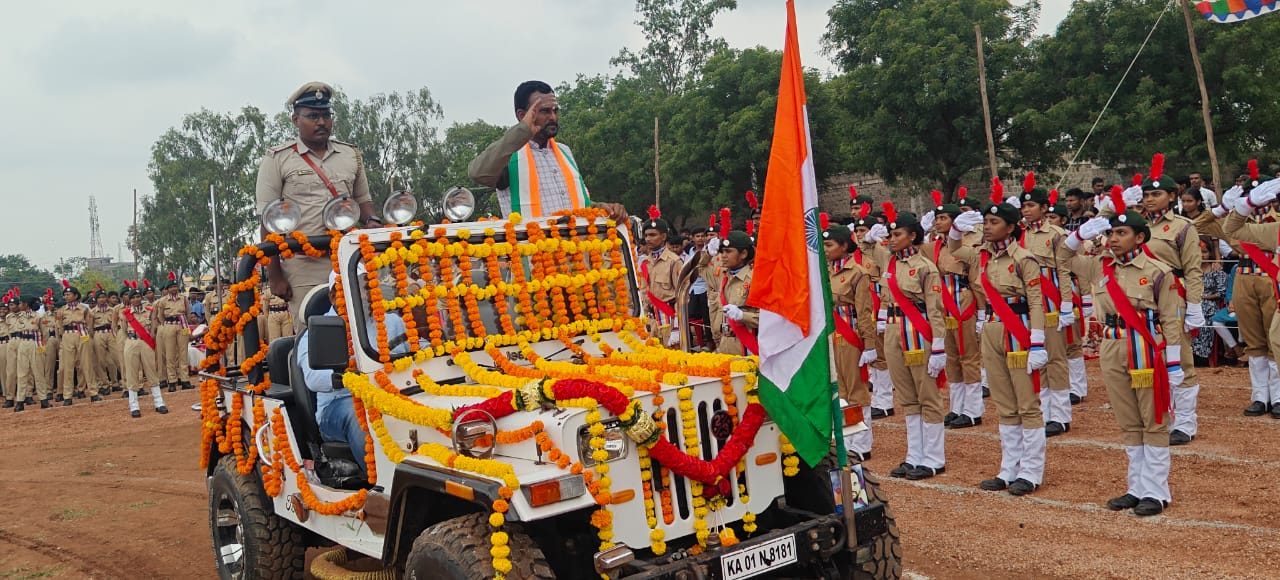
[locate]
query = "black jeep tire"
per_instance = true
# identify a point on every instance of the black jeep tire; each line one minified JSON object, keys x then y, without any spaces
{"x":885,"y":562}
{"x":243,"y":523}
{"x":458,"y":549}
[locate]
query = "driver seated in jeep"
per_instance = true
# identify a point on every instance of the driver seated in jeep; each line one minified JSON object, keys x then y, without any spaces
{"x":335,"y":412}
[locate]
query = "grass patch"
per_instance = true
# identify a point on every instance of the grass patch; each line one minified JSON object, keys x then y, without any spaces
{"x":142,"y":505}
{"x":99,"y":444}
{"x":68,"y":514}
{"x":84,"y":473}
{"x":29,"y":574}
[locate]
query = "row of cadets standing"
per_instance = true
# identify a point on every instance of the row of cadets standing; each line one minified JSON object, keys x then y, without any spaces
{"x":878,"y":370}
{"x":855,"y":323}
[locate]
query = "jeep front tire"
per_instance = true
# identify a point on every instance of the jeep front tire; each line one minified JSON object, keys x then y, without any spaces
{"x":249,"y":540}
{"x":458,"y":549}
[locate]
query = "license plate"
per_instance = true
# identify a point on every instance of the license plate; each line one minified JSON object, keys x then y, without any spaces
{"x":759,"y":559}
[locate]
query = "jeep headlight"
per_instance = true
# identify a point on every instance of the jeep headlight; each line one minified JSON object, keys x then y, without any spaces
{"x":615,"y":442}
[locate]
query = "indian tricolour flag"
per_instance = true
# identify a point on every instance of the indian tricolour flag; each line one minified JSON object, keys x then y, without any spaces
{"x":789,"y":284}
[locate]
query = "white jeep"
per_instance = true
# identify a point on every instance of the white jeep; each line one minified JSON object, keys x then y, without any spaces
{"x":493,"y":439}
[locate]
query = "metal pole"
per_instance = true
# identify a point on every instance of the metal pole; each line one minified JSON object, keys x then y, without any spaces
{"x":986,"y":108}
{"x":217,"y":244}
{"x":134,"y":241}
{"x":657,"y":183}
{"x":1204,"y":96}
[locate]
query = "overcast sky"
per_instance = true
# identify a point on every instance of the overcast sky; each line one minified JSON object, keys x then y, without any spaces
{"x":87,"y":86}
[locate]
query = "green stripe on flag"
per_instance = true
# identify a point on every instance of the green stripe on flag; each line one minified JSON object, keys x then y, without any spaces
{"x":804,"y":409}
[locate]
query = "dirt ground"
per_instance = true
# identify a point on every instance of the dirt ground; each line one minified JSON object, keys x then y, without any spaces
{"x":87,"y":492}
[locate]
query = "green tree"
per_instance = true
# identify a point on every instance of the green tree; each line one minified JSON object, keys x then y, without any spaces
{"x":911,"y":89}
{"x":18,"y":271}
{"x":398,"y":137}
{"x":677,"y":41}
{"x":462,"y":143}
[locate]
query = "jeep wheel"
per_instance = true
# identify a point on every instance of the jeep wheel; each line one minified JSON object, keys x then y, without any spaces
{"x":249,"y":540}
{"x":458,"y":549}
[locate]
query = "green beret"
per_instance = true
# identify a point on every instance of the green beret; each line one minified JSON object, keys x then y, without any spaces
{"x":1006,"y":212}
{"x":904,"y":219}
{"x":1060,"y":209}
{"x":1038,"y":195}
{"x":1162,"y":183}
{"x":658,"y":224}
{"x":737,"y":240}
{"x":1129,"y":218}
{"x":838,"y":234}
{"x":972,"y":203}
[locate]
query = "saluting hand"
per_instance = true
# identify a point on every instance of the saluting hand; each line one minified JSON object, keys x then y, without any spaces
{"x":530,"y":118}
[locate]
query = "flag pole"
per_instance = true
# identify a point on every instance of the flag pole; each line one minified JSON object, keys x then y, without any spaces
{"x":1204,"y":94}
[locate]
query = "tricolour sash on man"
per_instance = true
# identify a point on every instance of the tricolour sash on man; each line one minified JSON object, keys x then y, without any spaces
{"x":525,"y":188}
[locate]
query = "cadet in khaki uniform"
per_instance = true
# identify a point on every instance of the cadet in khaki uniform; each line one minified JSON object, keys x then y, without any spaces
{"x":855,"y":329}
{"x":1137,"y":299}
{"x":914,"y":326}
{"x":964,"y":307}
{"x":1261,"y":238}
{"x":104,"y":344}
{"x":1044,"y":241}
{"x":1058,"y":216}
{"x":170,"y":318}
{"x":8,"y":385}
{"x":310,"y":171}
{"x":76,"y":362}
{"x":24,"y":337}
{"x":659,"y":278}
{"x":52,"y":344}
{"x":741,"y":322}
{"x":864,"y":255}
{"x":279,"y":323}
{"x":139,"y":325}
{"x":1010,"y":277}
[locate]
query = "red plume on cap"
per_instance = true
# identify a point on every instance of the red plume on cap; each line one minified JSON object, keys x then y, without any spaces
{"x":1117,"y":198}
{"x":726,"y":223}
{"x":1157,"y":166}
{"x":824,"y":221}
{"x":654,"y":213}
{"x":751,"y":200}
{"x":66,"y":285}
{"x":962,"y":193}
{"x":1253,"y":169}
{"x":937,"y":197}
{"x":1137,"y":179}
{"x":865,"y":211}
{"x":1029,"y":182}
{"x":48,"y":292}
{"x":172,"y":277}
{"x":853,"y":192}
{"x":890,"y":212}
{"x":146,"y":284}
{"x":99,"y":285}
{"x":712,"y":225}
{"x":1053,"y":197}
{"x":751,"y":228}
{"x":997,"y":191}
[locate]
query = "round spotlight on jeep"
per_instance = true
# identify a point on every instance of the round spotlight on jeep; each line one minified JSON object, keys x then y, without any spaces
{"x":459,"y":204}
{"x":281,"y":216}
{"x":399,"y":208}
{"x":474,"y":434}
{"x":341,"y":213}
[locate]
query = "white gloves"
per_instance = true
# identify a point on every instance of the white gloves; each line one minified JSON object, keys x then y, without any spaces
{"x":1066,"y":315}
{"x":979,"y":319}
{"x":926,"y":221}
{"x":881,"y":320}
{"x":868,"y":356}
{"x":1037,"y":356}
{"x":1104,"y":204}
{"x":966,"y":222}
{"x":1172,"y":360}
{"x":878,"y":233}
{"x":1132,"y":196}
{"x":1086,"y":305}
{"x":1194,"y":318}
{"x":1014,"y":201}
{"x":673,"y":339}
{"x":1263,"y":194}
{"x":938,"y":358}
{"x":732,"y":312}
{"x":1093,"y":228}
{"x":1231,"y":201}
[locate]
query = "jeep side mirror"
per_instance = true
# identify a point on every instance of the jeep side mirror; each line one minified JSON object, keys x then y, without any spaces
{"x":327,"y":343}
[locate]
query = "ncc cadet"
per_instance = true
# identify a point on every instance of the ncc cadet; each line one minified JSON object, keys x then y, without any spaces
{"x":1257,"y":238}
{"x":741,"y":322}
{"x":104,"y":344}
{"x":170,"y":319}
{"x":1058,"y":216}
{"x":659,"y":278}
{"x":214,"y":298}
{"x":964,"y":307}
{"x":1174,"y":241}
{"x":881,"y":383}
{"x":277,"y":312}
{"x":1044,"y":241}
{"x":25,"y":339}
{"x":1253,"y":292}
{"x":1012,"y":339}
{"x":974,"y":204}
{"x":148,"y":293}
{"x":75,"y":358}
{"x":52,"y":343}
{"x":139,"y":325}
{"x":1137,"y":299}
{"x":855,"y":321}
{"x":913,"y":321}
{"x":310,"y":171}
{"x":8,"y":385}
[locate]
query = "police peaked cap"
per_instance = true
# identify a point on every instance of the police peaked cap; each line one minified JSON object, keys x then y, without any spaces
{"x":313,"y":95}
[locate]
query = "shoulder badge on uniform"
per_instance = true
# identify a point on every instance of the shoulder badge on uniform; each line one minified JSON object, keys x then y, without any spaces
{"x":1034,"y":283}
{"x":279,"y":148}
{"x":1143,"y":281}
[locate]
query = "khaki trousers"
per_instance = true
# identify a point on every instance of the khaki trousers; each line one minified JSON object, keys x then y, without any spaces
{"x":52,"y":346}
{"x":1056,"y":375}
{"x":104,"y":349}
{"x":29,"y":366}
{"x":966,"y":368}
{"x":1012,"y":390}
{"x":75,"y":364}
{"x":852,"y":388}
{"x":1134,"y":407}
{"x":139,"y":365}
{"x":1254,"y":299}
{"x":279,"y":324}
{"x":303,"y":274}
{"x":8,"y":369}
{"x":914,"y":391}
{"x":171,"y":353}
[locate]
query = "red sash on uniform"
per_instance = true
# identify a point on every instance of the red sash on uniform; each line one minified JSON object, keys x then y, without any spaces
{"x":660,"y":305}
{"x":740,"y":330}
{"x":875,"y":298}
{"x":1136,"y":323}
{"x":1260,"y":258}
{"x":909,"y":310}
{"x":139,"y":329}
{"x":953,"y":309}
{"x":319,"y":172}
{"x":1012,"y":322}
{"x":851,"y":336}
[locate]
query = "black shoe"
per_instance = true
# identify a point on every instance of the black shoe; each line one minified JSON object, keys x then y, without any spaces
{"x":135,"y":414}
{"x":1124,"y":502}
{"x":878,"y":413}
{"x":1178,"y":437}
{"x":8,"y":403}
{"x":31,"y":401}
{"x":58,"y":399}
{"x":163,"y":410}
{"x":80,"y":395}
{"x":186,"y":385}
{"x":1022,"y":487}
{"x":949,"y":418}
{"x":20,"y":407}
{"x":1075,"y":399}
{"x":922,"y":472}
{"x":124,"y":394}
{"x":173,"y":387}
{"x":1148,"y":506}
{"x":1275,"y":411}
{"x":965,"y":421}
{"x":1255,"y":409}
{"x":1055,"y":428}
{"x":95,"y":399}
{"x":66,"y":402}
{"x":994,"y":484}
{"x":986,"y":392}
{"x":115,"y":388}
{"x":44,"y":404}
{"x":901,"y":470}
{"x":104,"y":391}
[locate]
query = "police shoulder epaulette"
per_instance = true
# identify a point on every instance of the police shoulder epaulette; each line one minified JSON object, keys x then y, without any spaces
{"x":279,"y":148}
{"x":351,"y":145}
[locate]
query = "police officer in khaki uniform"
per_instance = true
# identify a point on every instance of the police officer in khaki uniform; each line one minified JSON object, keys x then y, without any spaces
{"x":139,"y":329}
{"x":659,"y":279}
{"x":170,"y":319}
{"x":279,"y":323}
{"x":965,"y":306}
{"x":104,"y":344}
{"x":1044,"y":241}
{"x":76,"y":362}
{"x":741,"y":322}
{"x":1137,"y":299}
{"x":8,"y":385}
{"x":310,"y":171}
{"x":855,"y":335}
{"x":1012,"y":339}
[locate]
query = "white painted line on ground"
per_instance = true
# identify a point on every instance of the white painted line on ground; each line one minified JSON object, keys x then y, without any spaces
{"x":909,"y":575}
{"x":1162,"y":520}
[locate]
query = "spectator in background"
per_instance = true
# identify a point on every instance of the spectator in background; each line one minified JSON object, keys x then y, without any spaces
{"x":1191,"y":203}
{"x":196,"y":297}
{"x":1079,"y":208}
{"x":1215,"y":288}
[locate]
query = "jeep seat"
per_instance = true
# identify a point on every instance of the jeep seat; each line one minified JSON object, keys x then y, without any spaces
{"x":304,"y":399}
{"x":278,"y":369}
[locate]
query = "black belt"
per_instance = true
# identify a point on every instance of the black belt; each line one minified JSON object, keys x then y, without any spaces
{"x":1117,"y":321}
{"x":173,"y":319}
{"x":1179,"y":272}
{"x":70,"y":328}
{"x":23,"y":335}
{"x":4,"y":339}
{"x":103,"y":327}
{"x":896,"y":311}
{"x":961,"y":281}
{"x":277,"y":308}
{"x":1019,"y":307}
